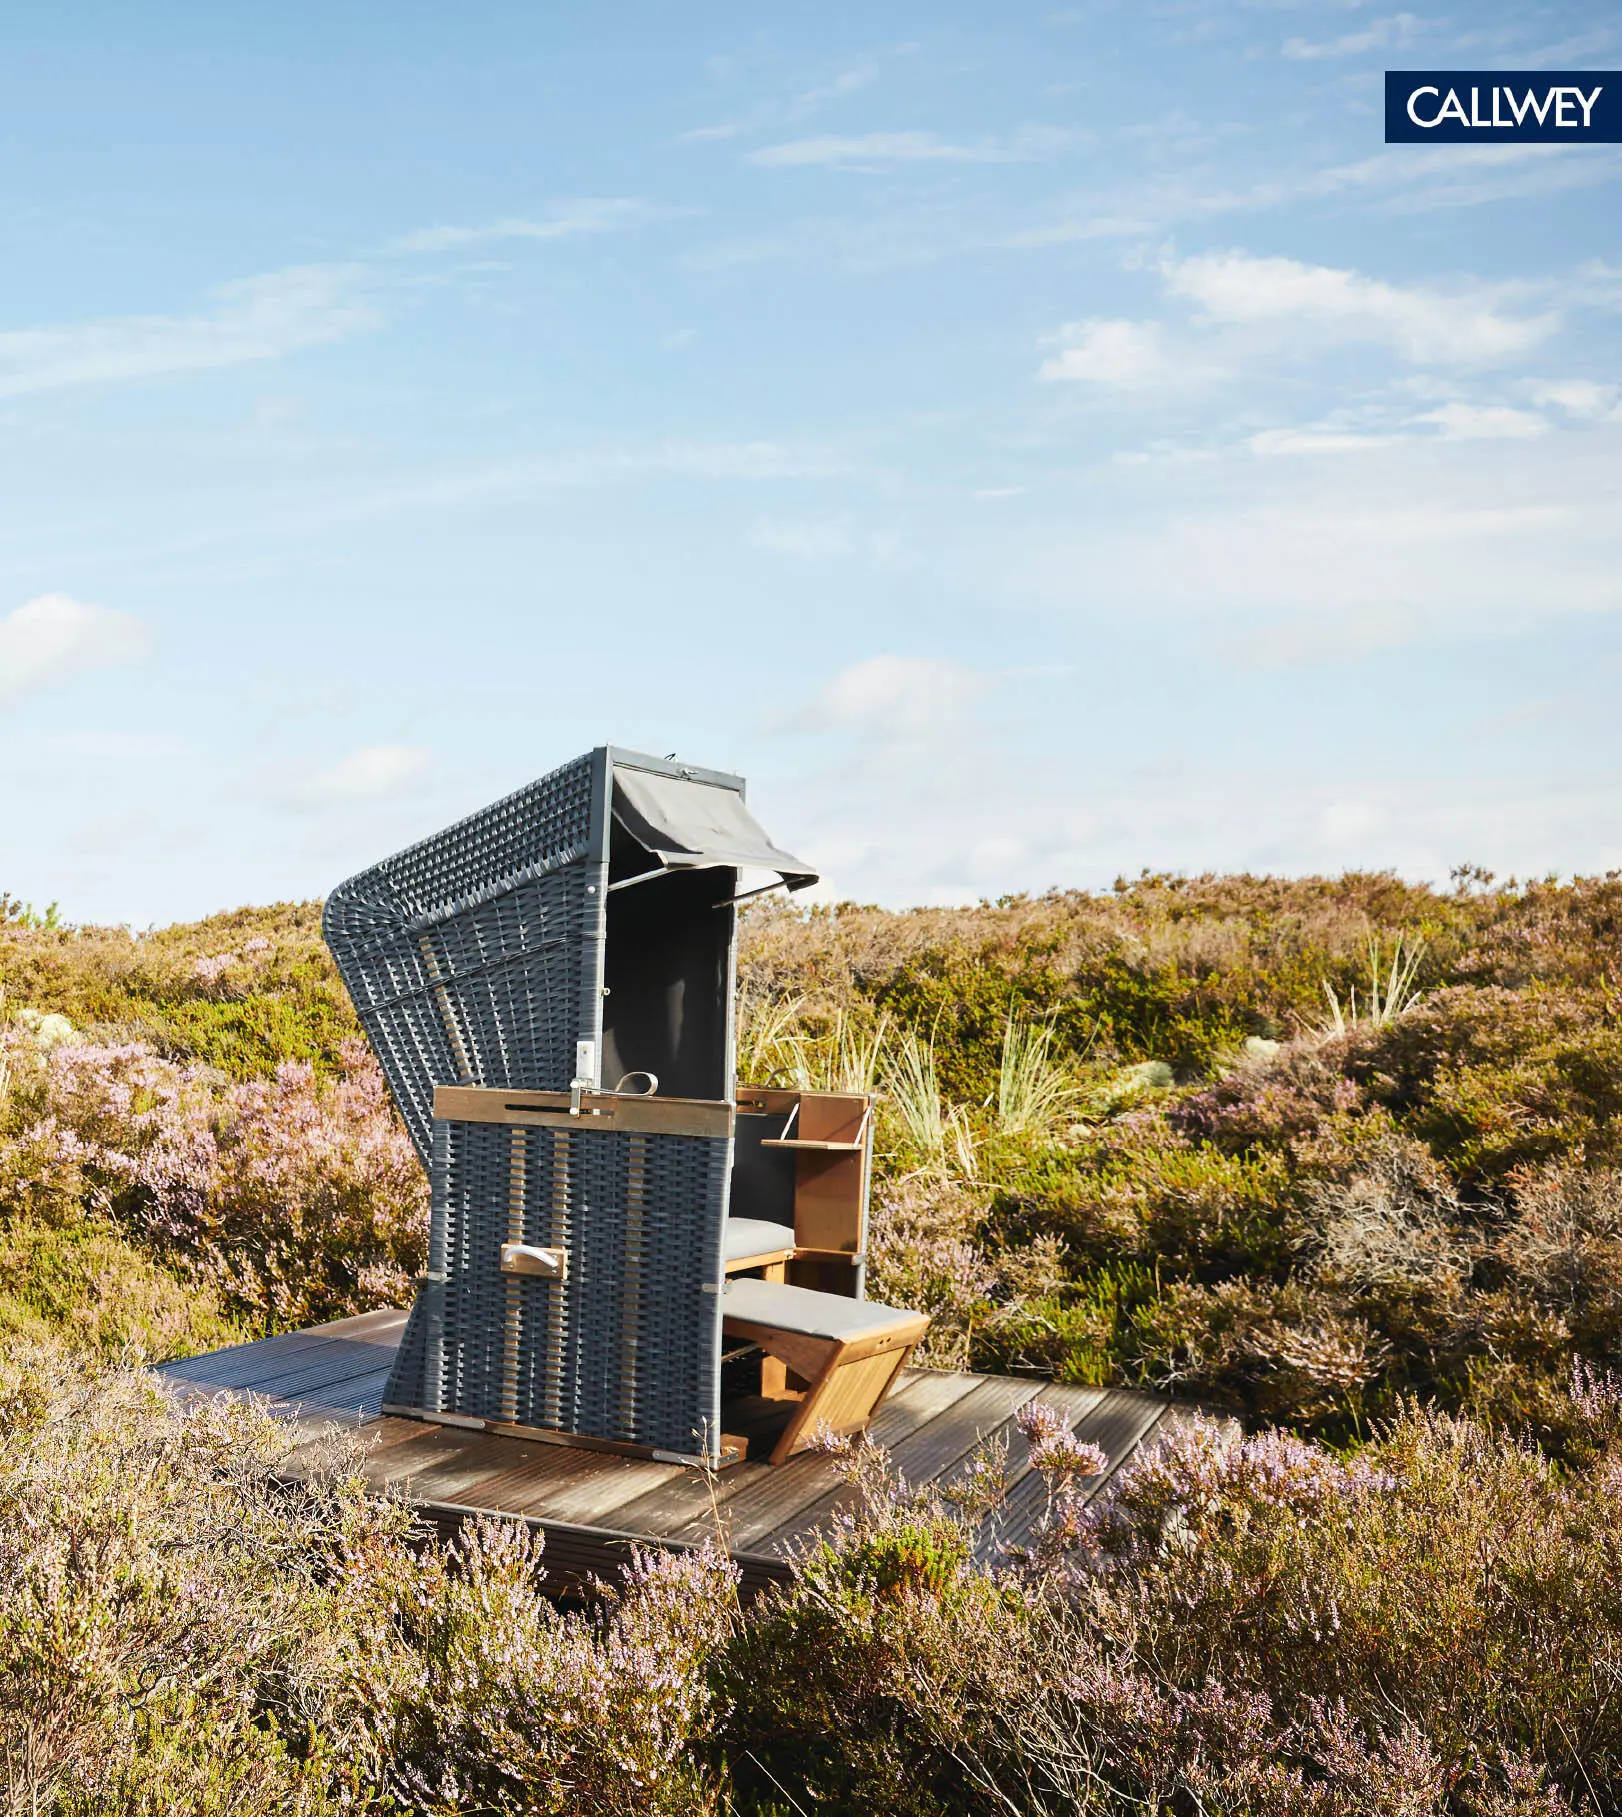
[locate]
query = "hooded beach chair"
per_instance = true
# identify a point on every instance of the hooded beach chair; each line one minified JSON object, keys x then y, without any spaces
{"x":626,"y":1251}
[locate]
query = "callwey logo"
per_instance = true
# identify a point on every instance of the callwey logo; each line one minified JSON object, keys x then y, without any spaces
{"x":1548,"y":107}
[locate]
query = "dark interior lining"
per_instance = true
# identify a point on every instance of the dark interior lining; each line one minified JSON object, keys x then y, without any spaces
{"x":762,"y":1178}
{"x":669,"y":974}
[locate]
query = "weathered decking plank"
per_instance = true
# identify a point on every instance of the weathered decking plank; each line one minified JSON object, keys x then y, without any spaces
{"x":971,"y":1419}
{"x":595,"y":1507}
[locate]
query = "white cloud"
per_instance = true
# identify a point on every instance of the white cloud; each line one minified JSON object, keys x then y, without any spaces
{"x":53,"y":638}
{"x":1420,"y":324}
{"x":582,"y":215}
{"x":1397,"y":29}
{"x":1579,"y":397}
{"x":1314,"y":441}
{"x":890,"y":699}
{"x":809,"y":539}
{"x":842,"y":82}
{"x":1102,"y":352}
{"x":877,"y":150}
{"x":365,"y":775}
{"x":1420,"y":540}
{"x":258,"y":319}
{"x":1485,"y":422}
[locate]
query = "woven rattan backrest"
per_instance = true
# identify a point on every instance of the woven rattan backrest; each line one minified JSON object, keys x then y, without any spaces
{"x":476,"y":957}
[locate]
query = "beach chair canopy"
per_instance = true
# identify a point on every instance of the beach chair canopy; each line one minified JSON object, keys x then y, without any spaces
{"x":580,"y":928}
{"x":685,"y":824}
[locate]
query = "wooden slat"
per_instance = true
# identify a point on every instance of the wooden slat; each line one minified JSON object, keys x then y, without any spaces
{"x":451,"y":1473}
{"x":302,"y":1378}
{"x":921,"y":1456}
{"x":250,"y":1363}
{"x":947,"y":1435}
{"x":520,"y":1487}
{"x":685,"y":1507}
{"x":353,"y":1402}
{"x":245,"y":1365}
{"x":375,"y":1437}
{"x":427,"y":1445}
{"x":1026,"y":1496}
{"x":599,"y":1495}
{"x":363,"y":1326}
{"x":1120,"y":1425}
{"x":599,"y":1111}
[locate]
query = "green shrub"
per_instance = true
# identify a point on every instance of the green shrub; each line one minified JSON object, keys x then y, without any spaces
{"x":86,"y":1284}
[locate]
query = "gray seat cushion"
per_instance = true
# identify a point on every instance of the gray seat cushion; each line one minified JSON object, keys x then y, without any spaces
{"x":754,"y":1236}
{"x":805,"y":1312}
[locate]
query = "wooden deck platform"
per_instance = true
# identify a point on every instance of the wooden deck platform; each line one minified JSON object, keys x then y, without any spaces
{"x":593,"y":1507}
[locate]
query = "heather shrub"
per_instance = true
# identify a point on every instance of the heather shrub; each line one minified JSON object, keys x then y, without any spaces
{"x":1493,"y":1079}
{"x":183,"y":1629}
{"x":1247,"y":1623}
{"x":168,"y":1638}
{"x":318,"y":1205}
{"x":86,"y":1283}
{"x":281,"y":1201}
{"x":499,"y":1702}
{"x":241,"y":991}
{"x":1237,"y":1623}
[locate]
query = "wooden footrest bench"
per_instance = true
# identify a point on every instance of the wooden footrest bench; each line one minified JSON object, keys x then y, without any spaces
{"x":848,"y":1351}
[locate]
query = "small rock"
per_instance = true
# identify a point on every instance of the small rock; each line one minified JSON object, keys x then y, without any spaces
{"x":47,"y":1028}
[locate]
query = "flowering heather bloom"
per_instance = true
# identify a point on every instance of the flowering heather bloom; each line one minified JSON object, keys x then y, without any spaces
{"x":300,"y":1198}
{"x":1055,"y":1449}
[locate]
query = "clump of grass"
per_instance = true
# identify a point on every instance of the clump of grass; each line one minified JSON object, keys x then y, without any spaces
{"x":1034,"y":1088}
{"x":938,"y":1135}
{"x":780,"y":1043}
{"x":773,"y":1047}
{"x":855,"y":1052}
{"x":1392,"y":988}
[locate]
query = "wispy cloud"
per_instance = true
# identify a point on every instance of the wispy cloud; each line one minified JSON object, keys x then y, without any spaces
{"x":1581,"y":398}
{"x":883,"y":150}
{"x":53,"y":638}
{"x":1417,"y":322}
{"x":1314,"y":441}
{"x":889,"y":698}
{"x":1485,"y":422}
{"x":1399,"y":28}
{"x":836,"y":87}
{"x":563,"y":220}
{"x":808,"y":539}
{"x":1395,"y":180}
{"x":370,"y":774}
{"x":259,"y":318}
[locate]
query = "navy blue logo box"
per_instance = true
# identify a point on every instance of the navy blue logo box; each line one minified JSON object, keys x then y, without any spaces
{"x":1503,"y":106}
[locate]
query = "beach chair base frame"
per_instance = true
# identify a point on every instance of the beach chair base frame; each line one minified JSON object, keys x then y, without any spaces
{"x":847,"y":1379}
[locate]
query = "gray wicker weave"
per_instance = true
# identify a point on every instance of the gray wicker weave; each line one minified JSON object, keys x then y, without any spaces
{"x":579,"y":925}
{"x":476,"y":957}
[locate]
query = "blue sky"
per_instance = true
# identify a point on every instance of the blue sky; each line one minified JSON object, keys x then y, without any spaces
{"x":1031,"y":443}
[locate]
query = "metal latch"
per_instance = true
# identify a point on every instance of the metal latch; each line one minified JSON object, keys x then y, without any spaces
{"x":585,"y":1074}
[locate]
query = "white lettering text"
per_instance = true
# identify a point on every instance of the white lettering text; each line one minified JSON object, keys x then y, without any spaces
{"x":1413,"y":98}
